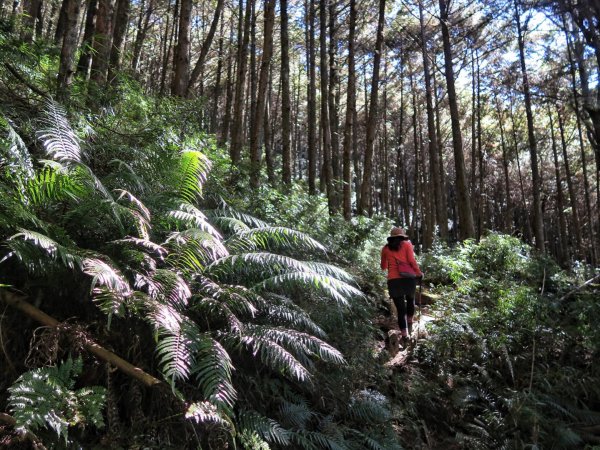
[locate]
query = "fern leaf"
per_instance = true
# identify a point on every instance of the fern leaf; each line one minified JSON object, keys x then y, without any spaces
{"x":58,"y":138}
{"x":192,"y":217}
{"x":268,"y":237}
{"x":35,"y":250}
{"x":207,"y":414}
{"x":108,"y":286}
{"x":191,"y":175}
{"x":192,"y":250}
{"x":176,"y":350}
{"x":15,"y":156}
{"x":267,"y":428}
{"x":139,"y":213}
{"x":212,"y":369}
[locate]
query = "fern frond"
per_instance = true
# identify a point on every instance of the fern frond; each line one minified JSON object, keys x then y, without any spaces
{"x":192,"y":250}
{"x":176,"y":350}
{"x":369,"y":407}
{"x":207,"y":414}
{"x":296,"y":414}
{"x":247,"y":219}
{"x":54,"y":183}
{"x":35,"y":250}
{"x":170,"y":287}
{"x":302,"y":344}
{"x":330,"y":271}
{"x":191,"y":175}
{"x":156,"y":250}
{"x":139,"y":213}
{"x":267,"y":428}
{"x":268,"y":237}
{"x":108,"y":286}
{"x":339,"y":291}
{"x":280,"y":310}
{"x":212,"y":369}
{"x":238,"y":298}
{"x":58,"y":138}
{"x":258,"y":263}
{"x":192,"y":217}
{"x":271,"y":353}
{"x":44,"y":398}
{"x":15,"y":156}
{"x":316,"y":440}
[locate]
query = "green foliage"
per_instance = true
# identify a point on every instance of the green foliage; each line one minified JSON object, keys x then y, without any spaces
{"x":118,"y":230}
{"x":46,"y":398}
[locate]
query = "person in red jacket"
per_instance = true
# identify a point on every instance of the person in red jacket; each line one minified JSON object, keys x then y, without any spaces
{"x":398,"y":258}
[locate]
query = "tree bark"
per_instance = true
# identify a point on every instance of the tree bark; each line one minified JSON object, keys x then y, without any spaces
{"x":440,"y":217}
{"x":102,"y":41}
{"x":205,"y":47}
{"x":563,"y":255}
{"x":538,"y":221}
{"x":83,"y":66}
{"x":365,"y":194}
{"x":235,"y":147}
{"x":257,"y":123}
{"x":312,"y":101}
{"x":325,"y":123}
{"x":118,"y":39}
{"x":182,"y":51}
{"x":465,"y":212}
{"x":142,"y":30}
{"x":350,"y":111}
{"x":67,"y":53}
{"x":286,"y":149}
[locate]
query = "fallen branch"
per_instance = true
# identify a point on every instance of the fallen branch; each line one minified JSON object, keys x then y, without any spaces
{"x":15,"y":73}
{"x":91,"y":346}
{"x":578,"y":288}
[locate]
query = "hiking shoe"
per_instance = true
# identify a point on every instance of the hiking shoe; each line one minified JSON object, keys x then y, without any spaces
{"x":410,"y":329}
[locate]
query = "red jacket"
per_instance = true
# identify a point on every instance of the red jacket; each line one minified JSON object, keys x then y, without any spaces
{"x":401,"y":260}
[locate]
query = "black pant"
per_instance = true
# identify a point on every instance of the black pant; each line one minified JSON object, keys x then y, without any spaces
{"x":402,"y":292}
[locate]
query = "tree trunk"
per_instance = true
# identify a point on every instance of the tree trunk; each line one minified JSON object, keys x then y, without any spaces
{"x":563,"y":255}
{"x":142,"y":30}
{"x":572,"y":196}
{"x":182,"y":51}
{"x":312,"y":101}
{"x":257,"y":123}
{"x":440,"y":220}
{"x":83,"y":66}
{"x":350,"y":110}
{"x":365,"y":194}
{"x":465,"y":213}
{"x":286,"y":149}
{"x":333,"y":103}
{"x":102,"y":41}
{"x":325,"y":123}
{"x":538,"y":221}
{"x":242,"y":62}
{"x":224,"y":131}
{"x":67,"y":53}
{"x":118,"y":40}
{"x":205,"y":47}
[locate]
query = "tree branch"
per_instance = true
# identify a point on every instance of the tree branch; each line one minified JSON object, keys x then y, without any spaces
{"x":135,"y":372}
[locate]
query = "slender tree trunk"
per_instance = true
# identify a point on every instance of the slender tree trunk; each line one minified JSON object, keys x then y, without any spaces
{"x":325,"y":123}
{"x":118,"y":40}
{"x":333,"y":102}
{"x":102,"y":41}
{"x":365,"y":194}
{"x":432,"y":140}
{"x":538,"y":221}
{"x":214,"y":114}
{"x":143,"y":26}
{"x":83,"y":66}
{"x":563,"y":255}
{"x":61,"y":22}
{"x":255,"y":150}
{"x":236,"y":124}
{"x":465,"y":213}
{"x":205,"y":47}
{"x":67,"y":53}
{"x":350,"y":111}
{"x":168,"y":43}
{"x":572,"y":196}
{"x":508,"y":213}
{"x":182,"y":51}
{"x":224,"y":132}
{"x":312,"y":100}
{"x":286,"y":147}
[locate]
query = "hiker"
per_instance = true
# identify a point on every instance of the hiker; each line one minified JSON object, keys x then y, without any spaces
{"x":398,"y":258}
